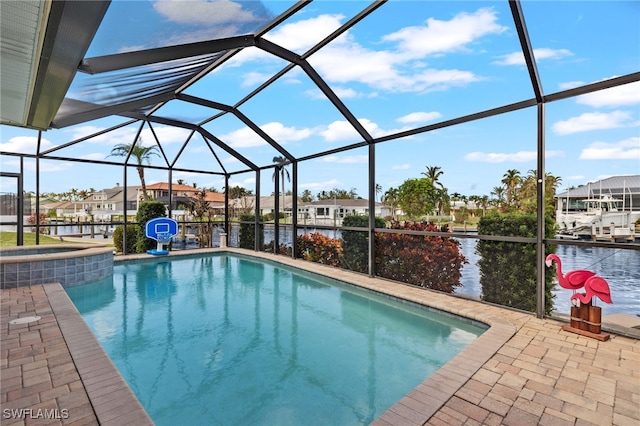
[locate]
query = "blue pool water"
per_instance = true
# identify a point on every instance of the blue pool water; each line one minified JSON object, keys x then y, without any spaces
{"x":227,"y":340}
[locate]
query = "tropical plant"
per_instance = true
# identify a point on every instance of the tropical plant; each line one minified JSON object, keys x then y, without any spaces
{"x":132,"y":238}
{"x":417,"y":197}
{"x":434,"y":173}
{"x":142,"y":155}
{"x":204,"y":213}
{"x":338,"y":194}
{"x":319,"y":248}
{"x":247,"y":235}
{"x":306,"y":196}
{"x":498,"y":192}
{"x":281,"y":163}
{"x":239,"y":192}
{"x":41,"y":222}
{"x":511,"y":179}
{"x":390,"y":198}
{"x":507,"y":269}
{"x":427,"y":261}
{"x":146,"y":211}
{"x":355,"y":244}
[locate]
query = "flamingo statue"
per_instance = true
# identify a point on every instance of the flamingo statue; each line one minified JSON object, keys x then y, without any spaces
{"x":572,"y":280}
{"x":595,"y":287}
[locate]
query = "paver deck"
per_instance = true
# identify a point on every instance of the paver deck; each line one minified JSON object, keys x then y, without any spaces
{"x":521,"y":371}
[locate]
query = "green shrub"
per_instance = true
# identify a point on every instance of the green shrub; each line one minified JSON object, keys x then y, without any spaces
{"x":423,"y":260}
{"x":132,"y":238}
{"x":355,"y":244}
{"x":247,"y":232}
{"x":507,"y":269}
{"x":146,"y":211}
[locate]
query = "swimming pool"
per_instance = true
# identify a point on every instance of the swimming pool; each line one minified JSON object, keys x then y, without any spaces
{"x":224,"y":339}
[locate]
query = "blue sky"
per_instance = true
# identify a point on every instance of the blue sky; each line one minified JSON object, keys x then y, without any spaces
{"x":409,"y":64}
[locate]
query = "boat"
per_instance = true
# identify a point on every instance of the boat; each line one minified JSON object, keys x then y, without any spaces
{"x":603,"y":217}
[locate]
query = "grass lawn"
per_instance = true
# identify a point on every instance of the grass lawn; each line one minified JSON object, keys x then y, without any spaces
{"x":8,"y":239}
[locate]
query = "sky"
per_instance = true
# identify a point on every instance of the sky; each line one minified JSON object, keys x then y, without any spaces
{"x":409,"y":64}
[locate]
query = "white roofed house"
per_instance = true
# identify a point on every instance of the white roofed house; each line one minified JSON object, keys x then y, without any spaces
{"x":331,"y":212}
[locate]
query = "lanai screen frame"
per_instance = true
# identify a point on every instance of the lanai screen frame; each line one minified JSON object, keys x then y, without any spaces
{"x":230,"y":47}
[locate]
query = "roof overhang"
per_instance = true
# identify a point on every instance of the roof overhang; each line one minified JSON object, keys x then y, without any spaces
{"x":42,"y":44}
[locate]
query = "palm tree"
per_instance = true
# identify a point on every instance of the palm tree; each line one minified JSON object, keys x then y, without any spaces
{"x":434,"y":173}
{"x":511,"y":180}
{"x":281,"y":163}
{"x":498,"y":191}
{"x":391,"y":198}
{"x":141,"y":154}
{"x":378,"y":190}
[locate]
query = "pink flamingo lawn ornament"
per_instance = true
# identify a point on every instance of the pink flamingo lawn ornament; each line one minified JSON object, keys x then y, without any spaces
{"x":595,"y":287}
{"x":573,"y":280}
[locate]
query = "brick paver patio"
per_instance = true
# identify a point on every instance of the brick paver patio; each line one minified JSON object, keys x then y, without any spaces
{"x":522,"y":371}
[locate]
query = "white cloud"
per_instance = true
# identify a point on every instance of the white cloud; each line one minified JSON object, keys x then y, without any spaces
{"x":401,"y":167}
{"x":398,"y":69}
{"x":629,"y":94}
{"x":25,"y":145}
{"x":346,"y":93}
{"x":245,"y":137}
{"x":340,"y":131}
{"x":502,"y":157}
{"x":165,"y":134}
{"x":517,"y":58}
{"x":419,"y":117}
{"x":333,"y":183}
{"x":230,"y":160}
{"x":302,"y":35}
{"x":591,"y":121}
{"x":253,"y":78}
{"x":346,"y":159}
{"x":202,"y":12}
{"x":438,"y":37}
{"x":92,"y":156}
{"x":242,"y":138}
{"x":283,"y":134}
{"x":570,"y":84}
{"x":628,"y":149}
{"x":126,"y":135}
{"x":114,"y":137}
{"x":45,"y":166}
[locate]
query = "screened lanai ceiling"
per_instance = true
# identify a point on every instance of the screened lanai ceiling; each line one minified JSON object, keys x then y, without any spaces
{"x":174,"y":74}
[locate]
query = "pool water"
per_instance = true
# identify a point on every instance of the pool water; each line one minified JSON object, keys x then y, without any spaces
{"x":227,"y":340}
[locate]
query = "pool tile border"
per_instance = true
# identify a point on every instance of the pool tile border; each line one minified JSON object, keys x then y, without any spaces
{"x":76,"y":264}
{"x":113,"y":401}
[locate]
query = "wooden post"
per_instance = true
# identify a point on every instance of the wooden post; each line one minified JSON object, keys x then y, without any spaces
{"x":584,"y":316}
{"x":575,"y":317}
{"x":595,"y":319}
